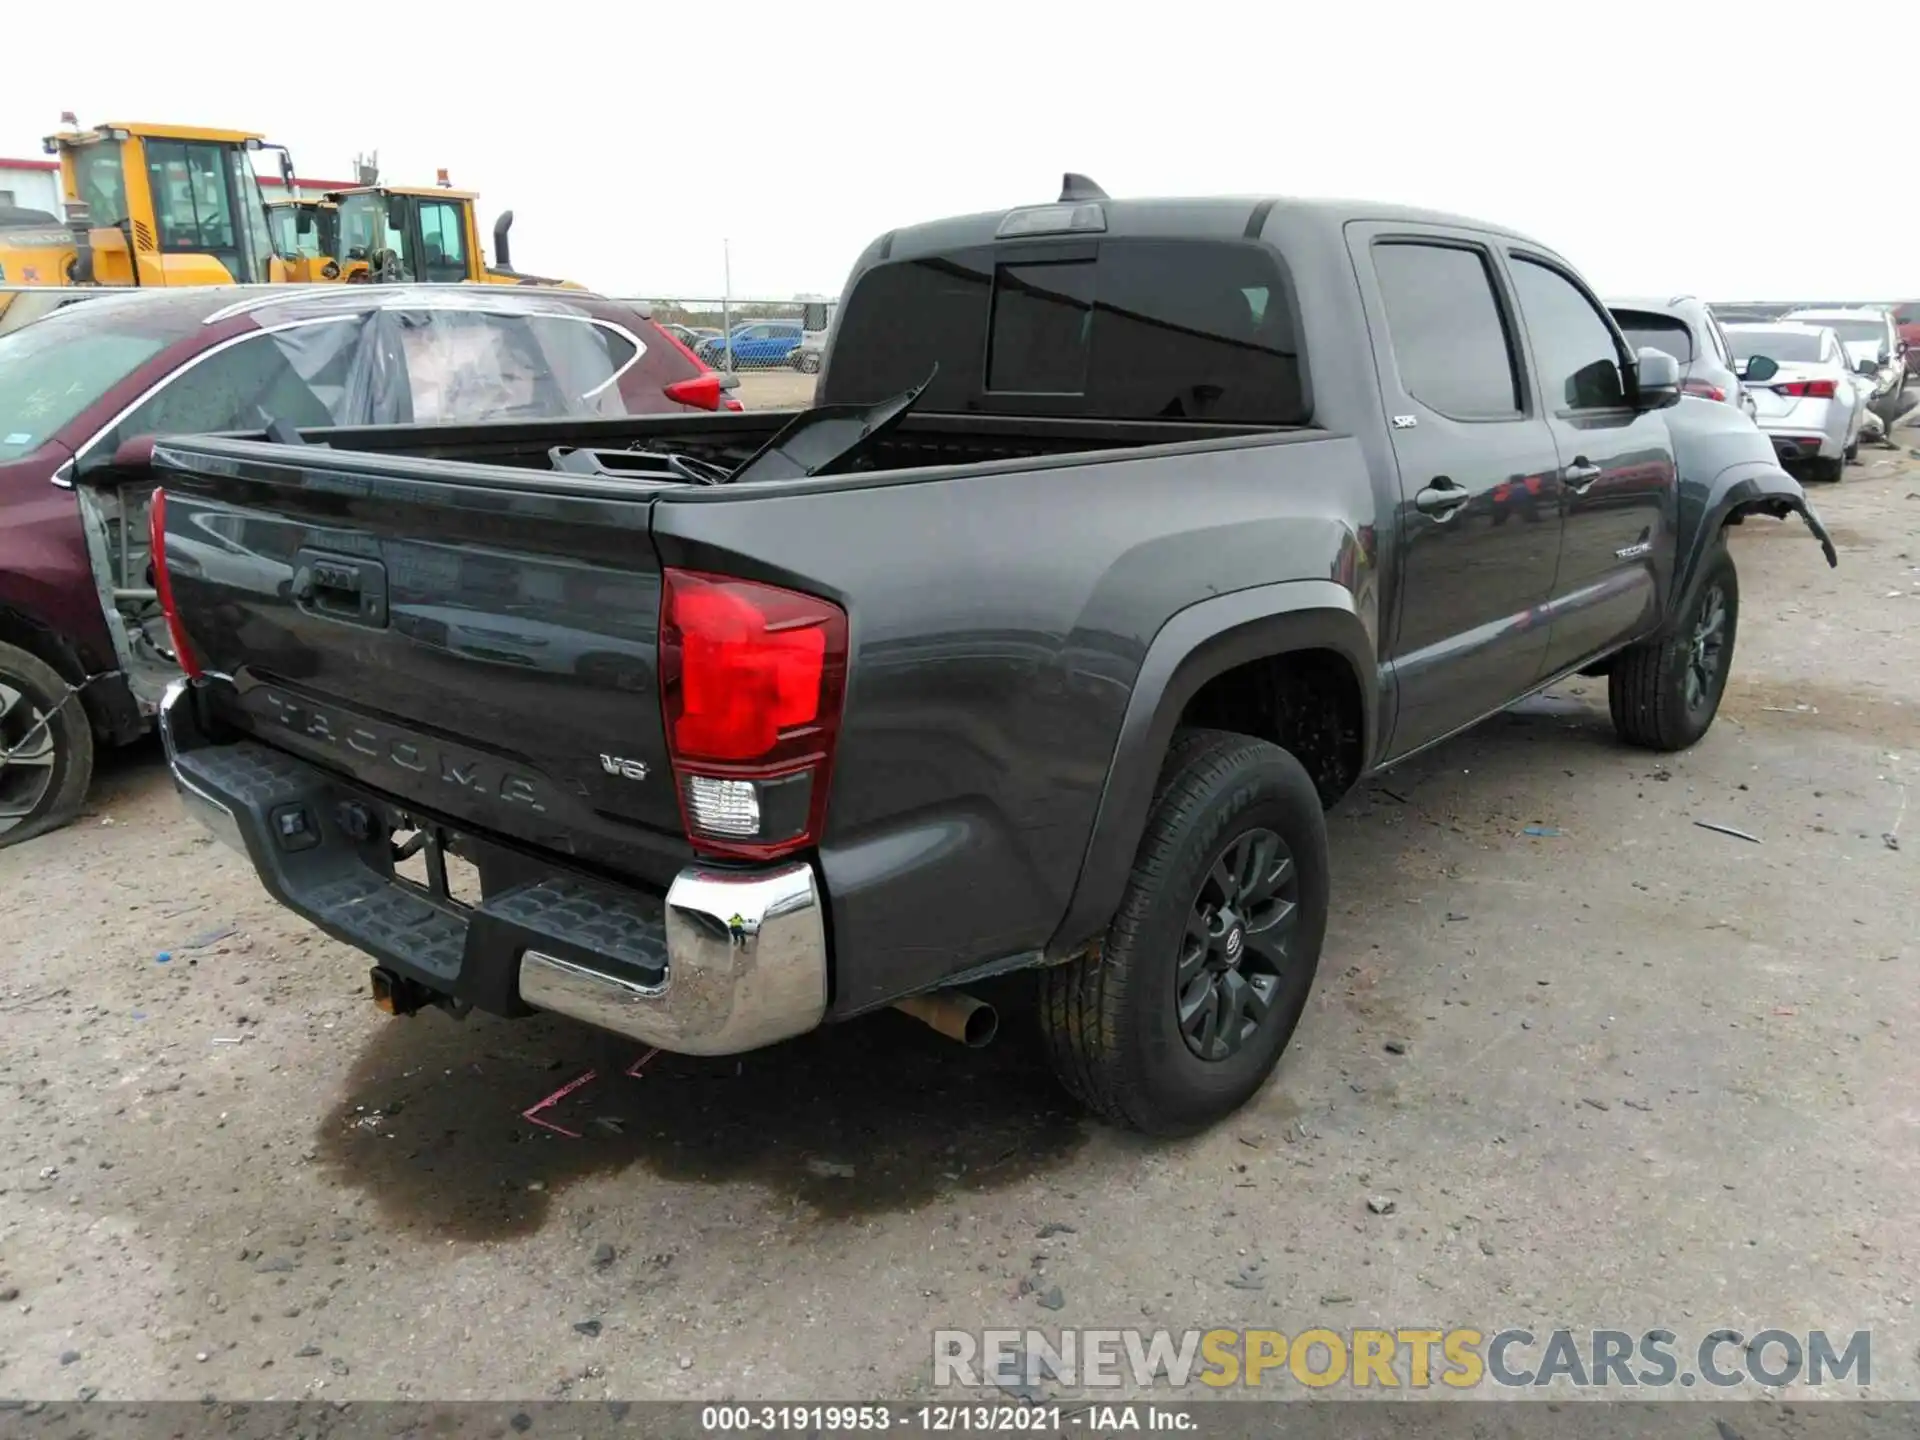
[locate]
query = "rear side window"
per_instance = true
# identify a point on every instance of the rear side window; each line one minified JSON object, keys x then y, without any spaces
{"x":467,"y":367}
{"x":1450,"y":340}
{"x":1121,"y":329}
{"x":1651,"y":331}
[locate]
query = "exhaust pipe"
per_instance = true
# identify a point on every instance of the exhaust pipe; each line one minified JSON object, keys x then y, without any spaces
{"x":955,"y":1015}
{"x":502,"y":254}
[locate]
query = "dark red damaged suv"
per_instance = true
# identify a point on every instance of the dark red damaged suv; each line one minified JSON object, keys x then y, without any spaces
{"x":84,"y":650}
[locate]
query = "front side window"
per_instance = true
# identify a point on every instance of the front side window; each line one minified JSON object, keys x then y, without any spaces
{"x":257,"y":242}
{"x":101,"y":182}
{"x":443,"y":241}
{"x":1573,"y":346}
{"x":1450,"y":340}
{"x":284,"y":223}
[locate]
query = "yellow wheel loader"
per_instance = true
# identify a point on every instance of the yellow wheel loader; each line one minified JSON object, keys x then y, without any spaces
{"x":427,"y":234}
{"x":150,"y":205}
{"x":306,"y":237}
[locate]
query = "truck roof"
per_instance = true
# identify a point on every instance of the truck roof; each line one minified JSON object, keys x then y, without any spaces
{"x":1226,"y":217}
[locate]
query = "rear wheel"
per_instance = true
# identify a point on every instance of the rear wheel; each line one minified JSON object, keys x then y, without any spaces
{"x":46,"y":748}
{"x":1664,"y":693}
{"x":1826,"y":471}
{"x":1206,"y":969}
{"x":1853,"y":451}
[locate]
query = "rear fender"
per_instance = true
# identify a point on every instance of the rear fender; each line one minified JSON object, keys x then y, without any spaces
{"x":1200,"y":642}
{"x":1708,"y":507}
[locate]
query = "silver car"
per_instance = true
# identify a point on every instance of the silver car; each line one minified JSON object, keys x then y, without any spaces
{"x":1806,"y":396}
{"x":1687,"y":329}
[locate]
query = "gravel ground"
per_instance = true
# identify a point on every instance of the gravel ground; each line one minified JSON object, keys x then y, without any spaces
{"x":1624,"y":1072}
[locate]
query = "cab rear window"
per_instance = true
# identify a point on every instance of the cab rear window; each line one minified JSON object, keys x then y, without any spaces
{"x":1114,"y":329}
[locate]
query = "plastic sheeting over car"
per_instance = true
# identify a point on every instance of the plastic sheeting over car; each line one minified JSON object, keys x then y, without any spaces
{"x":453,"y":363}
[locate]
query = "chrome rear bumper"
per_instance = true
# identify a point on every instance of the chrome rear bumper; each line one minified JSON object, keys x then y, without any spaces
{"x":728,"y":961}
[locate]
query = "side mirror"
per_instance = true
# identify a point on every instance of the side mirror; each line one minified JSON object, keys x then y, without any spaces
{"x":303,"y":222}
{"x":1866,"y":367}
{"x":1657,"y":380}
{"x":1760,"y":369}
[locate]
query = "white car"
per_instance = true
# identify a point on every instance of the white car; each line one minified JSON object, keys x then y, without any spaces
{"x":1806,"y":395}
{"x":1875,"y":351}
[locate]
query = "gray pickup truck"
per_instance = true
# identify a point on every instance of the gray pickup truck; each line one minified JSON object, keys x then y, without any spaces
{"x":1122,"y":538}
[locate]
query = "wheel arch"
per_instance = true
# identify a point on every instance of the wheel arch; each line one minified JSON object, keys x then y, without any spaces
{"x":1708,"y":508}
{"x":1310,"y":621}
{"x":113,"y":716}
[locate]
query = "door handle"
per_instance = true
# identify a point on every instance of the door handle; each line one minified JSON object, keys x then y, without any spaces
{"x":1441,"y":498}
{"x":1580,"y":475}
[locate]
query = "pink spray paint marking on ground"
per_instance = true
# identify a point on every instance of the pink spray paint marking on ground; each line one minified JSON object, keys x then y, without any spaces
{"x":532,"y":1113}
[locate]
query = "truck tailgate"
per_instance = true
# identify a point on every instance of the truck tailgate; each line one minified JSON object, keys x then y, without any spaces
{"x":481,"y":643}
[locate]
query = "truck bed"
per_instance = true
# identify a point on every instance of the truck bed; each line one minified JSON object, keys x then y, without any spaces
{"x":498,"y":671}
{"x":730,"y":437}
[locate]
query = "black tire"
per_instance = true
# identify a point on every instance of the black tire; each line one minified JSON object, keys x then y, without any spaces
{"x":45,"y":727}
{"x":1852,"y":452}
{"x":1112,"y":1024}
{"x":1660,"y":699}
{"x":1826,"y":471}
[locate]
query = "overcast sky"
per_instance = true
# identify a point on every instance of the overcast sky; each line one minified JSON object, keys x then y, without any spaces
{"x":1660,"y":147}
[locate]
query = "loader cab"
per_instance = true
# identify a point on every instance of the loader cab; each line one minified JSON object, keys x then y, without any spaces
{"x":161,"y":205}
{"x":306,"y":236}
{"x":428,"y":235}
{"x":404,"y":236}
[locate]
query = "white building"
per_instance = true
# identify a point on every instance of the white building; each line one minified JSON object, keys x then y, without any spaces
{"x":31,"y":184}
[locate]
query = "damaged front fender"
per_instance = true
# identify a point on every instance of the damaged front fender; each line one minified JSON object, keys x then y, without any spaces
{"x":1708,"y":507}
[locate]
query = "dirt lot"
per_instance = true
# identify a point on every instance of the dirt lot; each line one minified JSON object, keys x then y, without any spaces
{"x":1625,"y":1071}
{"x":775,"y":389}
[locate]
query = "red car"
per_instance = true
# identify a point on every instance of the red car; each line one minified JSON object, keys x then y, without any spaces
{"x":84,"y":651}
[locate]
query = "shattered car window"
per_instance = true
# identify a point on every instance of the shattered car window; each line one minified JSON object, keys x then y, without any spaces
{"x":297,"y":375}
{"x":466,"y":366}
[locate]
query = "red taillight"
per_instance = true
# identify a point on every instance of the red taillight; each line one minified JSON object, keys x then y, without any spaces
{"x":702,"y":392}
{"x":731,"y":404}
{"x":1705,"y":389}
{"x":751,"y":681}
{"x":1807,"y":389}
{"x":163,"y":584}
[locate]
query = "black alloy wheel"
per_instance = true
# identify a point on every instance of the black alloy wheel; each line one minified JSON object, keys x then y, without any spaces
{"x":1236,"y":948}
